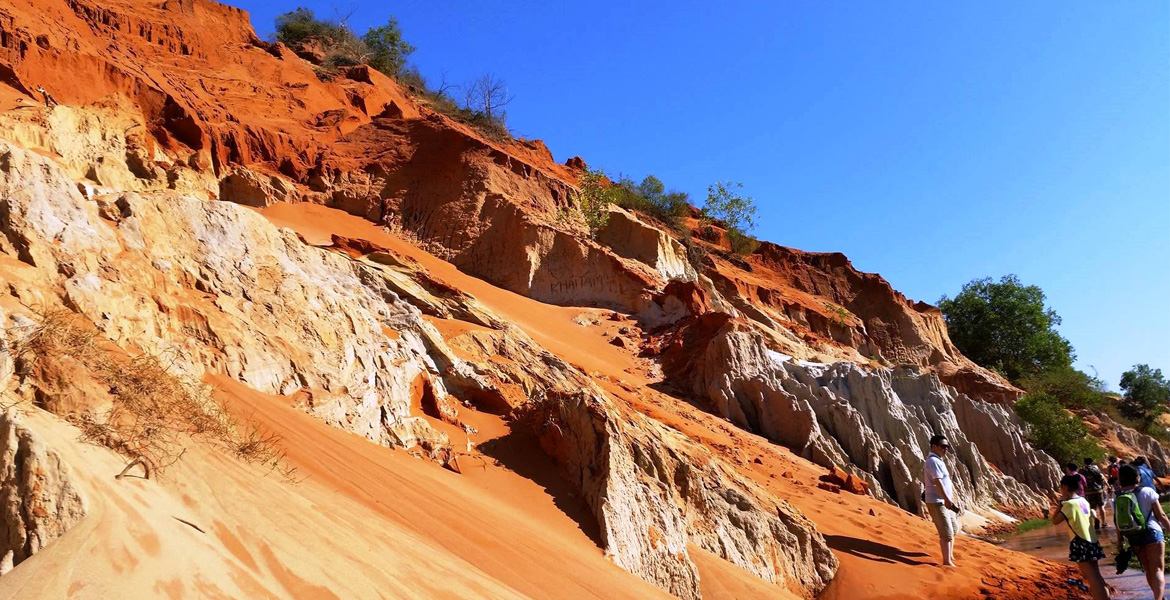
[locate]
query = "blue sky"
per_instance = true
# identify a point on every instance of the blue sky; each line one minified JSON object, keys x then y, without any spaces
{"x":932,"y":142}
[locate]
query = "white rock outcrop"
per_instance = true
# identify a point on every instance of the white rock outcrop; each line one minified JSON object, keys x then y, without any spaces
{"x":653,"y":493}
{"x":875,"y":424}
{"x":216,"y":288}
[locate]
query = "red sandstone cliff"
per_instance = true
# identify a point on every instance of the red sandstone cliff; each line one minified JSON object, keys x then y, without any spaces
{"x":158,"y":109}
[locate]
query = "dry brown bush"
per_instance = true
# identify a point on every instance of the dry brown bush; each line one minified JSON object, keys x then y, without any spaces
{"x":154,"y":412}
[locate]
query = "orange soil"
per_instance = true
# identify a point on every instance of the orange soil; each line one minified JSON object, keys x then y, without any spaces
{"x":365,"y":522}
{"x":888,"y":555}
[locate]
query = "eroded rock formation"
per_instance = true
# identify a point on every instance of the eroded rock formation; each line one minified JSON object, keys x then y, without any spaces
{"x":874,"y":423}
{"x":219,"y":289}
{"x":643,"y":468}
{"x":1125,"y":442}
{"x":38,"y":500}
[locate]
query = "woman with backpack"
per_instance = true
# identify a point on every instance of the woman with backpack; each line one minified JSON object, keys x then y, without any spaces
{"x":1083,"y":548}
{"x":1141,"y":521}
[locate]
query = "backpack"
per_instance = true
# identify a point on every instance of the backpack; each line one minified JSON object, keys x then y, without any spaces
{"x":1127,"y":514}
{"x":1094,"y":480}
{"x":1113,"y":471}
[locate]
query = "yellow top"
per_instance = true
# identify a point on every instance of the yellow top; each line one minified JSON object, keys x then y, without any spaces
{"x":1080,"y":518}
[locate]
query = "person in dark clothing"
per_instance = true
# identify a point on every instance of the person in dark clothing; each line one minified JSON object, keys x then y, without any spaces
{"x":1094,"y":490}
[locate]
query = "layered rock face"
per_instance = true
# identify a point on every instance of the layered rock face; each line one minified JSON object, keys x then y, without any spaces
{"x":874,"y":423}
{"x":219,"y":289}
{"x":272,"y":130}
{"x":1125,"y":442}
{"x":652,"y":468}
{"x":817,"y":306}
{"x":38,"y":500}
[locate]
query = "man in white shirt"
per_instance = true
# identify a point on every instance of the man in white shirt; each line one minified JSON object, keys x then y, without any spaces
{"x":939,"y":496}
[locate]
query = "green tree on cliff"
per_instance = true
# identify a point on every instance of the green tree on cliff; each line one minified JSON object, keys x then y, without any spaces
{"x":737,"y":212}
{"x":1146,"y":394}
{"x":1052,"y":429}
{"x":387,"y":50}
{"x":1005,"y":326}
{"x":593,"y":200}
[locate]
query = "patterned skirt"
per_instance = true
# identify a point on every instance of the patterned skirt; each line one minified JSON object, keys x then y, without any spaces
{"x":1080,"y":550}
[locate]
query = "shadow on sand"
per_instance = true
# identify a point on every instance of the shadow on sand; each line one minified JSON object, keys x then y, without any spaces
{"x":875,"y":551}
{"x":521,"y":454}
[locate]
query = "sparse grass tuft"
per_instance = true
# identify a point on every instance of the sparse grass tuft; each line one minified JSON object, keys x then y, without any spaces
{"x":153,"y":412}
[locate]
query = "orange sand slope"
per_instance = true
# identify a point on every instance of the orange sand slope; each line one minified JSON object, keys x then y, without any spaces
{"x":366,"y":522}
{"x":888,"y":555}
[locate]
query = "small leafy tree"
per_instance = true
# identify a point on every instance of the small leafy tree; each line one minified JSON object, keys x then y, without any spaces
{"x":1146,"y":394}
{"x":1074,"y":388}
{"x":737,"y":213}
{"x":1052,"y":429}
{"x":388,"y":52}
{"x":594,"y":200}
{"x":1005,"y":326}
{"x":651,"y":198}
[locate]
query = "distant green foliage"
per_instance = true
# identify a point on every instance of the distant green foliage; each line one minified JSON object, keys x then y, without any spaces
{"x":737,"y":212}
{"x":1005,"y":326}
{"x":593,"y":200}
{"x":1146,"y":394}
{"x":1052,"y":429}
{"x":332,"y":44}
{"x":388,"y":52}
{"x":650,"y":197}
{"x":1032,"y":525}
{"x":1074,"y":389}
{"x":297,"y":28}
{"x":301,"y":30}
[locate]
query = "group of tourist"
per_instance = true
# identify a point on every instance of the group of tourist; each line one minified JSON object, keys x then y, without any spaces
{"x":1137,"y":516}
{"x":1128,"y":488}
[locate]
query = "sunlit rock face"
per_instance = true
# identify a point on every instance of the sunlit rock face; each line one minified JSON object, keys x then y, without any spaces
{"x":875,"y":423}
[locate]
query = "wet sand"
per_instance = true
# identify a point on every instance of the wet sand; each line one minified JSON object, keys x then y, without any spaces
{"x":1051,"y":543}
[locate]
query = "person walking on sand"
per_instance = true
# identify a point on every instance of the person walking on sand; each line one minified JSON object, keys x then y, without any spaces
{"x":1094,"y":491}
{"x":1083,"y":549}
{"x":1140,"y":521}
{"x":939,"y":498}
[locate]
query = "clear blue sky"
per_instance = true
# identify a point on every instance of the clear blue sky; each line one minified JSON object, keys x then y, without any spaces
{"x":932,"y":142}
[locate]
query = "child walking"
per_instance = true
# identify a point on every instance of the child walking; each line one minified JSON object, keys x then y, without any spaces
{"x":1083,"y":549}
